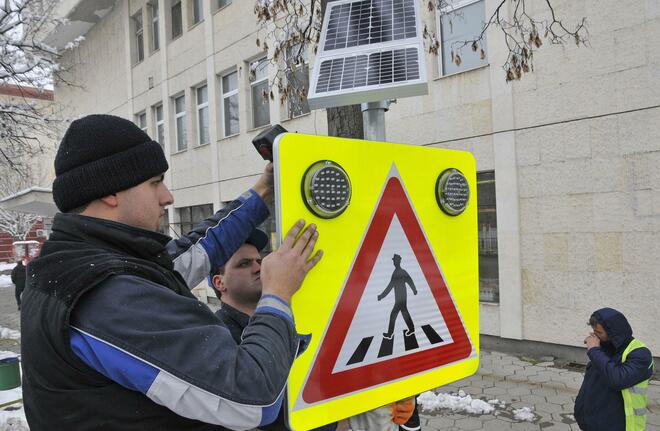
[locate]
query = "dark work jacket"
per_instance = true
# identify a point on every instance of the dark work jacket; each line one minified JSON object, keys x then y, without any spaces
{"x":59,"y":390}
{"x":87,"y":259}
{"x":599,"y":404}
{"x":236,"y":321}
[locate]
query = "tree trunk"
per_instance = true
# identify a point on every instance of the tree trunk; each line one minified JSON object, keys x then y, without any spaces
{"x":344,"y":121}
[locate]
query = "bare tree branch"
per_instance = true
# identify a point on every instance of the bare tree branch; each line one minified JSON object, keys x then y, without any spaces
{"x":28,"y":67}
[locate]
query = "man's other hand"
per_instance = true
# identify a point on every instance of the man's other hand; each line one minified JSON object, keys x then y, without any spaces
{"x":592,"y":341}
{"x":264,"y":186}
{"x":283,"y":271}
{"x":402,"y":410}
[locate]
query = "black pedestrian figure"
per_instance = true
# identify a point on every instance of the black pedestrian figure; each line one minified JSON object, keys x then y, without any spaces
{"x":398,"y":282}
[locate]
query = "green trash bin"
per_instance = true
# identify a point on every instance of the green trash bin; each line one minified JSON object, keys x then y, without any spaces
{"x":10,"y":373}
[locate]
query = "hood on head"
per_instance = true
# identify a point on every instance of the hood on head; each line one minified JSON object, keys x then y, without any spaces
{"x":616,"y":325}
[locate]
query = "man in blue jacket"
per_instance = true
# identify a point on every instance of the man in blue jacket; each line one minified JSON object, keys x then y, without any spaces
{"x":613,"y":393}
{"x":112,"y":338}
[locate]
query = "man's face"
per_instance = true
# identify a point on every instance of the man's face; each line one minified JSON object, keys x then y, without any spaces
{"x":143,"y":205}
{"x":600,"y":333}
{"x":241,"y":282}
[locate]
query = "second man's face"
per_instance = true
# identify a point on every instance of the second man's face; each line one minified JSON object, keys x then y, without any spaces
{"x":242,"y":278}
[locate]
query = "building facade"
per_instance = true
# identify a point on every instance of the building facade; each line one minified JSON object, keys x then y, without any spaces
{"x":567,"y":157}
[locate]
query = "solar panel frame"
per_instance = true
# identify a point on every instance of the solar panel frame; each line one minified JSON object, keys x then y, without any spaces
{"x":344,"y":55}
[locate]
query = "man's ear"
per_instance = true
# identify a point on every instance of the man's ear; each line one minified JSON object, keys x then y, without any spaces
{"x":216,"y":280}
{"x":110,"y":200}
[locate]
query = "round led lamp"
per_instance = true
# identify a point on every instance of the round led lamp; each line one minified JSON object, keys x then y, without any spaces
{"x":326,"y":189}
{"x":452,"y":192}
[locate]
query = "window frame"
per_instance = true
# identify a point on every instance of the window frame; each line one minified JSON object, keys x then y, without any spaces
{"x":227,"y":95}
{"x":178,"y":5}
{"x":217,"y":6}
{"x":253,"y":84}
{"x":155,"y":20}
{"x":196,"y":12}
{"x":455,"y":6}
{"x":492,"y":238}
{"x":198,"y":108}
{"x":297,"y":68}
{"x":139,"y":117}
{"x":189,"y":221}
{"x":138,"y":36}
{"x":158,"y":123}
{"x":177,"y":116}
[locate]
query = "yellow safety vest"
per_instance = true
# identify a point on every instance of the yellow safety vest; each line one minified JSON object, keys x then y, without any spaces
{"x":634,"y":398}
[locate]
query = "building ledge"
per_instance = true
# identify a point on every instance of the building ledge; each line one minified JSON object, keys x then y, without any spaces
{"x":34,"y":200}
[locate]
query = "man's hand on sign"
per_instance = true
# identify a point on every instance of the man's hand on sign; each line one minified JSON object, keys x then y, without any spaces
{"x":283,"y":271}
{"x":402,"y":410}
{"x":264,"y":186}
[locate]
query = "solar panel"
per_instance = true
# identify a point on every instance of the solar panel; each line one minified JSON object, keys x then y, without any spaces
{"x":367,"y":22}
{"x":371,"y":50}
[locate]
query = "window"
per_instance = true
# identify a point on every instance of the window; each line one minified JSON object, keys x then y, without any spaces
{"x":230,"y":103}
{"x":141,"y":121}
{"x":180,"y":122}
{"x":177,"y":19}
{"x":159,"y":121}
{"x":190,"y":216}
{"x":202,"y":115}
{"x":464,"y":21}
{"x":219,"y":4}
{"x":489,"y":290}
{"x":197,"y":11}
{"x":139,"y":36}
{"x":298,"y":81}
{"x":259,"y":91}
{"x":155,"y":35}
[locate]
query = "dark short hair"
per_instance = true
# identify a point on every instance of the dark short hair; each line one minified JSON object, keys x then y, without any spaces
{"x":594,"y":320}
{"x":218,"y":270}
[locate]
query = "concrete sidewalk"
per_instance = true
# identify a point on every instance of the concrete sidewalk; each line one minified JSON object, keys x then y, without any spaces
{"x":548,"y":390}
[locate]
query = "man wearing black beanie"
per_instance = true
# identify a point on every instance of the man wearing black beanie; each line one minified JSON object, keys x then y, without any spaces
{"x":115,"y":340}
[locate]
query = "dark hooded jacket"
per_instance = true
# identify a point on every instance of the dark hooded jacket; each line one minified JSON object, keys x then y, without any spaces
{"x":599,"y":404}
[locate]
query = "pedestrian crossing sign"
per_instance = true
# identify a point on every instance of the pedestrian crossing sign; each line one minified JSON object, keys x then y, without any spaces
{"x":392,"y":307}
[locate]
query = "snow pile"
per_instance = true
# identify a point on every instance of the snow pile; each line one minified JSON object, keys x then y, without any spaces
{"x":456,"y":403}
{"x":12,"y":416}
{"x":11,"y":334}
{"x":7,"y":266}
{"x":524,"y":414}
{"x":5,"y":281}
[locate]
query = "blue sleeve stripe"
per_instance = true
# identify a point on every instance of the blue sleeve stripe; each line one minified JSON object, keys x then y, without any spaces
{"x":274,"y":310}
{"x":272,"y":302}
{"x":114,"y":363}
{"x":231,"y":240}
{"x":269,"y":414}
{"x":277,"y":298}
{"x":220,"y":242}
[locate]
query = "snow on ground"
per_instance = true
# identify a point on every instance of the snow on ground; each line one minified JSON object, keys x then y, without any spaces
{"x":464,"y":403}
{"x":457,"y":403}
{"x":12,"y":415}
{"x":5,"y":281}
{"x":6,"y":266}
{"x":524,"y":414}
{"x":9,"y":334}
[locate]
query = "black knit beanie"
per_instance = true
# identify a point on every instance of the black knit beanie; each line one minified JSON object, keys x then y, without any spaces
{"x":101,"y":155}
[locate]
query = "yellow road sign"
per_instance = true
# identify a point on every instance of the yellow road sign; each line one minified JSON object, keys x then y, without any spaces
{"x":393,"y":305}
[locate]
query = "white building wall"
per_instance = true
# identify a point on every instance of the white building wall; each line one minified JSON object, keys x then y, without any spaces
{"x":574,"y":150}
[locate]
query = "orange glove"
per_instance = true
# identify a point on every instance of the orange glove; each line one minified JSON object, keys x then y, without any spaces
{"x":402,"y":410}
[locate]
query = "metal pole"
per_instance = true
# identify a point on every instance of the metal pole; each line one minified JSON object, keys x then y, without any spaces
{"x":373,"y":119}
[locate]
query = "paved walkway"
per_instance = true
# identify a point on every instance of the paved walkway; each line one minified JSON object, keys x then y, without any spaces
{"x":549,"y":391}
